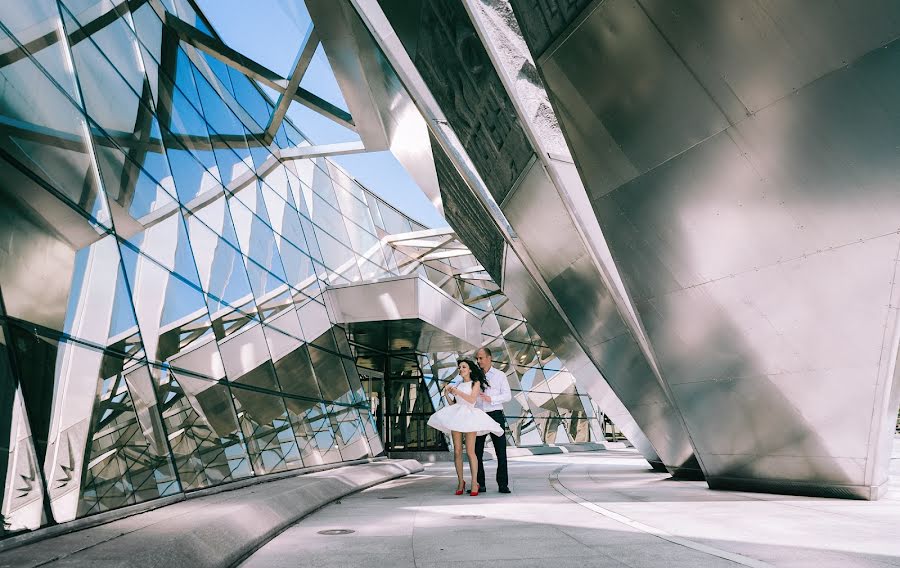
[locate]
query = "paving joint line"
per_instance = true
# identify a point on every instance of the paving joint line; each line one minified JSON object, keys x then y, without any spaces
{"x":560,"y":488}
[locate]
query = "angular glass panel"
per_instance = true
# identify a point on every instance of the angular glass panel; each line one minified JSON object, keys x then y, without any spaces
{"x":374,"y":210}
{"x":108,"y":68}
{"x":226,"y":132}
{"x":46,"y":133}
{"x":330,"y":219}
{"x":223,"y":275}
{"x":276,"y":184}
{"x":316,"y":436}
{"x":264,"y":421}
{"x":300,"y":191}
{"x":282,"y":330}
{"x":249,"y":97}
{"x":206,"y":441}
{"x":356,"y":211}
{"x":368,"y":423}
{"x":330,"y":372}
{"x":394,"y":221}
{"x":298,"y":267}
{"x":370,"y":271}
{"x":191,"y":177}
{"x":551,"y":362}
{"x":345,"y":420}
{"x":91,"y":313}
{"x":258,"y":243}
{"x":247,"y":359}
{"x":173,"y":317}
{"x":37,"y":263}
{"x":296,"y":377}
{"x":339,"y":259}
{"x":59,"y":387}
{"x":364,"y":243}
{"x":166,"y":242}
{"x":21,"y":507}
{"x":523,"y":355}
{"x":127,"y":457}
{"x":311,"y":240}
{"x":530,"y":376}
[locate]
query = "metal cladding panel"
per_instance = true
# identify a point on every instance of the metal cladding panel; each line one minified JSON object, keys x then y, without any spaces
{"x":591,"y":380}
{"x":542,"y":21}
{"x":459,"y":73}
{"x":761,"y":255}
{"x":648,"y":101}
{"x":525,"y":294}
{"x":467,"y":217}
{"x":383,"y":112}
{"x":422,"y":313}
{"x":750,"y":54}
{"x":543,"y":226}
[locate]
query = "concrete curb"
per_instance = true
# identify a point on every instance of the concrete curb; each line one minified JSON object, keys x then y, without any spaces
{"x":563,"y":449}
{"x":27,"y":537}
{"x":210,"y":531}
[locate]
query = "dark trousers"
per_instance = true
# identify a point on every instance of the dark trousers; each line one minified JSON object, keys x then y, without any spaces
{"x":499,"y":448}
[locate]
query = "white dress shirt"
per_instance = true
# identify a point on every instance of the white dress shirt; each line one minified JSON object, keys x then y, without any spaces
{"x":498,"y":390}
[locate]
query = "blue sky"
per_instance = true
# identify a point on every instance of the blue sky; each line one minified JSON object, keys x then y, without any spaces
{"x":270,"y":32}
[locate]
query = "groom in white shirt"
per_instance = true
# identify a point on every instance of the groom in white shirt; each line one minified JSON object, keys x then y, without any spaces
{"x":491,"y":401}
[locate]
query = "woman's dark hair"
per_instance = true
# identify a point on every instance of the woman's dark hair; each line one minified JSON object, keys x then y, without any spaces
{"x":475,"y":372}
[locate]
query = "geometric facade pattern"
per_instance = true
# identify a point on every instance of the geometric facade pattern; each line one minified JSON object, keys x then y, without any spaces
{"x":547,"y":406}
{"x":165,"y":245}
{"x":161,"y":271}
{"x":741,"y":163}
{"x":720,"y":186}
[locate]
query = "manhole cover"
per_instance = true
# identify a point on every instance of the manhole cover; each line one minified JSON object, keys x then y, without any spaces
{"x":468,"y":517}
{"x":389,"y":497}
{"x":337,"y":531}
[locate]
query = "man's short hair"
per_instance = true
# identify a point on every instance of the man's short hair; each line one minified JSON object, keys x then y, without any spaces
{"x":487,"y":351}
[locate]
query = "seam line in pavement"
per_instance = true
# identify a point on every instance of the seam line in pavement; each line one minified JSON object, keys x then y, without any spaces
{"x":724,"y":554}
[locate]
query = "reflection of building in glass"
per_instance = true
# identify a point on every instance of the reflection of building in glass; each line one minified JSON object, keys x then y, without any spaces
{"x":547,"y":406}
{"x":166,"y":241}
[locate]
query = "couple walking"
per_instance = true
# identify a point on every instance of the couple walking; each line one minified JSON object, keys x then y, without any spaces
{"x":476,"y":410}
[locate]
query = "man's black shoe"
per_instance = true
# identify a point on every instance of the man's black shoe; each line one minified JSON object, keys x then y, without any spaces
{"x":505,"y":490}
{"x":482,"y":489}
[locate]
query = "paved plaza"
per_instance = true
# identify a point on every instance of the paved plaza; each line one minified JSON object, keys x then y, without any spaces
{"x":588,"y":509}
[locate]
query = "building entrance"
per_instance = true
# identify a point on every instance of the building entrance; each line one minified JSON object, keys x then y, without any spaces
{"x":401,"y":405}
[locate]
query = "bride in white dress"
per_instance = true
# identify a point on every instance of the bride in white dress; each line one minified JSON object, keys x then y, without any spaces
{"x":461,"y":418}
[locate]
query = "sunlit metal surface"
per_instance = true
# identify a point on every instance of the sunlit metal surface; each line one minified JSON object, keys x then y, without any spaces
{"x":412,"y":312}
{"x":741,"y":160}
{"x":385,"y":115}
{"x":164,"y":261}
{"x":547,"y":406}
{"x":558,"y":275}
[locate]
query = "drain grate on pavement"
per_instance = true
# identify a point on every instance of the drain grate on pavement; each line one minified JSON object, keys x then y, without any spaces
{"x":468,"y":517}
{"x":389,"y":497}
{"x":337,"y":531}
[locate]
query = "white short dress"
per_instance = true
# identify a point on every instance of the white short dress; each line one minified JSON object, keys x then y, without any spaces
{"x":464,"y":417}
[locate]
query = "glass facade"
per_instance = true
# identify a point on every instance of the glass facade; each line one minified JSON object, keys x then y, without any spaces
{"x":162,"y":272}
{"x":547,"y":407}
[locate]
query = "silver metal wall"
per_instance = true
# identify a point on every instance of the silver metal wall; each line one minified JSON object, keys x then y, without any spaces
{"x":549,"y":269}
{"x":741,"y":158}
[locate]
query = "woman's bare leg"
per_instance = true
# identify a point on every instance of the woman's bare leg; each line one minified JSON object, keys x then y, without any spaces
{"x":457,"y":457}
{"x":473,"y":459}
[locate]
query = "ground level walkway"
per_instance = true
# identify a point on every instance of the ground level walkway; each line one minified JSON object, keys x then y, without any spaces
{"x":586,"y":509}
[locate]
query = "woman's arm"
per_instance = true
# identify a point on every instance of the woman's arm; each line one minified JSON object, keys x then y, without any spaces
{"x":472,"y":396}
{"x":449,"y":395}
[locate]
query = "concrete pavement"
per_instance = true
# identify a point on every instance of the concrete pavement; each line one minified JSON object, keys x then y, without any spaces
{"x":588,"y":509}
{"x":210,"y":530}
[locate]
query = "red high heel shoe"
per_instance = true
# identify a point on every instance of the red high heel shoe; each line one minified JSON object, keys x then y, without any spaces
{"x":463,"y":490}
{"x":474,"y":492}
